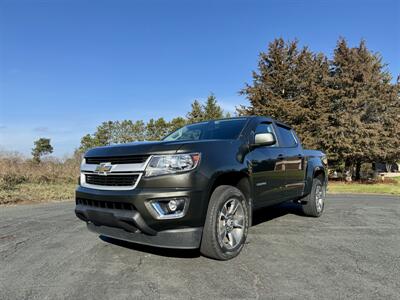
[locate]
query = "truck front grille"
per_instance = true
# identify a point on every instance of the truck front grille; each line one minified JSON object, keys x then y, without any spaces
{"x":131,"y":159}
{"x":105,"y":204}
{"x":111,"y":180}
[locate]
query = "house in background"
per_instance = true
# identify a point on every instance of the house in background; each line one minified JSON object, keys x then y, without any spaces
{"x":382,"y":167}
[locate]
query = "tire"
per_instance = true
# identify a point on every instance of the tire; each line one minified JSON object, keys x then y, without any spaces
{"x":315,"y":201}
{"x":227,"y":224}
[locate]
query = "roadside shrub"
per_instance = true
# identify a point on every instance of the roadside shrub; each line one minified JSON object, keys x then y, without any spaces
{"x":16,"y":169}
{"x":10,"y":181}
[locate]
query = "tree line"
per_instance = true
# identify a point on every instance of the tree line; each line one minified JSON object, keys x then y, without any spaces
{"x":347,"y":106}
{"x":117,"y":132}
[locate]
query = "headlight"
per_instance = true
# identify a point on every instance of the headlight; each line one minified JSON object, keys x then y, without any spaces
{"x":170,"y":164}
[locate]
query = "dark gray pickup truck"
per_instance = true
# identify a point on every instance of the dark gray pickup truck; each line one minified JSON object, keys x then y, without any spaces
{"x":198,"y":187}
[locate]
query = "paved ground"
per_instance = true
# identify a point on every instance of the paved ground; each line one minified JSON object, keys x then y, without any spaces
{"x":353,"y":251}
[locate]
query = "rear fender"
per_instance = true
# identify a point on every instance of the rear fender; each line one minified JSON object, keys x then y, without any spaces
{"x":314,"y":168}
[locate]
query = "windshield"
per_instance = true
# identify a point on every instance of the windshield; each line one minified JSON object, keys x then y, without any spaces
{"x":227,"y":129}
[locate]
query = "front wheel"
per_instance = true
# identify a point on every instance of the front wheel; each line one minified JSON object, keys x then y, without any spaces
{"x":315,"y":201}
{"x":227,"y":223}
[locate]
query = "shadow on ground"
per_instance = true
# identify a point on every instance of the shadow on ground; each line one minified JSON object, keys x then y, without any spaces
{"x":273,"y":212}
{"x":259,"y":216}
{"x":181,"y":253}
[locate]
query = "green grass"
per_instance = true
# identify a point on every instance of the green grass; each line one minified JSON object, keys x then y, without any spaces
{"x":36,"y":192}
{"x":364,"y":188}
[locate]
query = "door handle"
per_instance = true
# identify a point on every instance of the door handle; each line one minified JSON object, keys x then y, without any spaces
{"x":280,"y":157}
{"x":299,"y":156}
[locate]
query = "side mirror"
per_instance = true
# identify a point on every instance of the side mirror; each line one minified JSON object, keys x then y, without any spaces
{"x":264,"y":139}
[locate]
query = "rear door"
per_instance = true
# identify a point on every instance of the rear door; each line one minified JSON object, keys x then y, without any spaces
{"x":268,"y":172}
{"x":293,"y":161}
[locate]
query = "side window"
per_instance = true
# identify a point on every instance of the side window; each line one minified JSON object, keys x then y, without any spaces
{"x":265,"y":128}
{"x":287,"y":138}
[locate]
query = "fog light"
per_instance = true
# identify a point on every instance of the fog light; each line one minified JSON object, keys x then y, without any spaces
{"x":171,"y":208}
{"x":172,"y":205}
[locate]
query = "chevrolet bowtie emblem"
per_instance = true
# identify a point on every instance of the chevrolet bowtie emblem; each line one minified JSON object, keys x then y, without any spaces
{"x":104,"y":167}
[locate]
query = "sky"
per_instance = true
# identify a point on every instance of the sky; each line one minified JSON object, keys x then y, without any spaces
{"x":66,"y":65}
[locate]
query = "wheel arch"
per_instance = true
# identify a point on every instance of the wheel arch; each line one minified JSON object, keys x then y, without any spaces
{"x":238,"y":179}
{"x":314,"y":170}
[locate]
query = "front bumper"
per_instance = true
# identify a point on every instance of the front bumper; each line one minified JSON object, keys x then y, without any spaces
{"x":186,"y":238}
{"x":129,"y":226}
{"x":132,"y":221}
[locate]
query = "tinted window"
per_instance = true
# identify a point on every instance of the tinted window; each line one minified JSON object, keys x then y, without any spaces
{"x":219,"y":129}
{"x":225,"y":129}
{"x":264,"y":128}
{"x":286,"y":137}
{"x":187,"y":133}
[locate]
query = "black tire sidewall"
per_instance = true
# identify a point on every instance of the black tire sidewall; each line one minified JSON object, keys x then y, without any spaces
{"x":210,"y":245}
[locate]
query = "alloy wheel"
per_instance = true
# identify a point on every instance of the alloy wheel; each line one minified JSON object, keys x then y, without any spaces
{"x":231,"y":221}
{"x":319,"y":197}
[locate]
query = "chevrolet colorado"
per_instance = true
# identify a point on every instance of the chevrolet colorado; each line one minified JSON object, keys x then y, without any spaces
{"x":198,"y":187}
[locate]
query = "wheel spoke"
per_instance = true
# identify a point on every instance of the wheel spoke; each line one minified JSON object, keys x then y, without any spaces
{"x":222,"y":235}
{"x":237,"y":235}
{"x":222,"y":216}
{"x":221,"y":225}
{"x":224,"y":212}
{"x":231,"y":239}
{"x":234,"y":206}
{"x":238,"y":224}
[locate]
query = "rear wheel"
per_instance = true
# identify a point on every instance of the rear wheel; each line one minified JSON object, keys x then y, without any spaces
{"x":315,"y":201}
{"x":227,"y":223}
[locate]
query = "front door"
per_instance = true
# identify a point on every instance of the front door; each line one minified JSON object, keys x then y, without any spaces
{"x":293,"y":162}
{"x":267,"y":170}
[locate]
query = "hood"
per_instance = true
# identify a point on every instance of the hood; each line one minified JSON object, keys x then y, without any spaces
{"x":140,"y":148}
{"x":135,"y":148}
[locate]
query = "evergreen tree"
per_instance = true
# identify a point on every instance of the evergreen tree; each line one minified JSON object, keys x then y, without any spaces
{"x":347,"y":107}
{"x":211,"y":109}
{"x":156,"y":129}
{"x":105,"y":133}
{"x":176,"y":123}
{"x":129,"y":131}
{"x":114,"y":132}
{"x":87,"y":142}
{"x":196,"y":114}
{"x":364,"y":109}
{"x":290,"y":85}
{"x":42,"y":147}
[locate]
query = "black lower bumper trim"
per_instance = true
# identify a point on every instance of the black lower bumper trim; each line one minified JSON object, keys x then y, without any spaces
{"x":129,"y":220}
{"x":186,"y":238}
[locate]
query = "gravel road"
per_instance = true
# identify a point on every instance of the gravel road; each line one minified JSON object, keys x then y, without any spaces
{"x":352,"y":251}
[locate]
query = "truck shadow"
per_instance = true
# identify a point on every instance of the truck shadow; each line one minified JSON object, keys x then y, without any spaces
{"x":180,"y":253}
{"x":276,"y":211}
{"x":259,"y":216}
